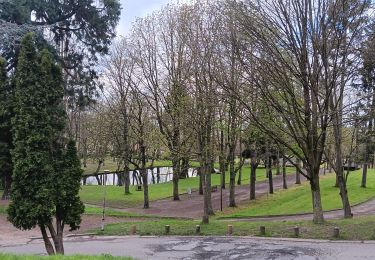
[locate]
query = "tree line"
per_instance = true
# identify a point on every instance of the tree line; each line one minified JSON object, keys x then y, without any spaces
{"x":278,"y":80}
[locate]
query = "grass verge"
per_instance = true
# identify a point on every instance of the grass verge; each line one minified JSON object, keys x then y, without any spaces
{"x":298,"y":199}
{"x":360,"y":228}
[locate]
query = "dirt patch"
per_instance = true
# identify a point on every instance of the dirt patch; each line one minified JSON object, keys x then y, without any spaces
{"x":4,"y":202}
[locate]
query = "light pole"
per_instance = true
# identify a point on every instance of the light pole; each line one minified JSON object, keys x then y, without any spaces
{"x":104,"y":195}
{"x":221,"y":191}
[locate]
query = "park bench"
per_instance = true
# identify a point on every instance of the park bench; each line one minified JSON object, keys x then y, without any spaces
{"x":214,"y":188}
{"x":139,"y":187}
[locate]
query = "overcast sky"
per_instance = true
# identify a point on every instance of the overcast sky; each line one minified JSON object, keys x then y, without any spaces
{"x":136,"y":8}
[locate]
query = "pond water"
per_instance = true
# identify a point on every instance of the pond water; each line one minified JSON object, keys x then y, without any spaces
{"x":155,"y":175}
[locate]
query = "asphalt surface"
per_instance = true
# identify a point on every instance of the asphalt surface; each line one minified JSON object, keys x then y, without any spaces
{"x":207,"y":248}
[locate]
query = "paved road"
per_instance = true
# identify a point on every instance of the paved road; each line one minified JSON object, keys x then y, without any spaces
{"x":208,"y":248}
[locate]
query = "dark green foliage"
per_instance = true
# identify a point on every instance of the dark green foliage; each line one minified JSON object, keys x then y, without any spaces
{"x":70,"y":206}
{"x":45,"y":174}
{"x":84,"y":28}
{"x":33,"y":135}
{"x":5,"y":114}
{"x":5,"y":127}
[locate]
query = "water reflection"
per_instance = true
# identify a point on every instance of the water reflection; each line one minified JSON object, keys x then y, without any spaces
{"x":155,"y":175}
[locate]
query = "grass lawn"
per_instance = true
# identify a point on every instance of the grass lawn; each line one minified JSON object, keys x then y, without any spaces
{"x":298,"y":199}
{"x":62,"y":257}
{"x":361,"y":228}
{"x":3,"y":209}
{"x":93,"y":194}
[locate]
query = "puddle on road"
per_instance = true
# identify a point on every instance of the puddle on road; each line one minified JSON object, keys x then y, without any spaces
{"x":234,"y":248}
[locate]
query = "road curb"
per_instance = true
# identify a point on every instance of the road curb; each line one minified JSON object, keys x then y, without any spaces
{"x":286,"y":239}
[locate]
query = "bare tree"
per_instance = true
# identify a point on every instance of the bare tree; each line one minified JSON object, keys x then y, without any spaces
{"x":140,"y":122}
{"x":296,"y":64}
{"x":118,"y":69}
{"x":160,"y":40}
{"x":201,"y":43}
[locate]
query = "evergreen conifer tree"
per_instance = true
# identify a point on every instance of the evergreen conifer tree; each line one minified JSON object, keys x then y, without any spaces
{"x":46,"y":172}
{"x":5,"y":130}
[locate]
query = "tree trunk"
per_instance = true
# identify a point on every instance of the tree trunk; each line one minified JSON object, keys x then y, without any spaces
{"x":57,"y":238}
{"x":176,"y":176}
{"x":98,"y":180}
{"x":126,"y":151}
{"x":340,"y":180}
{"x":185,"y":168}
{"x":298,"y":174}
{"x":253,"y":168}
{"x":336,"y":181}
{"x":59,"y":243}
{"x":222,"y":160}
{"x":97,"y":172}
{"x":318,"y":217}
{"x":222,"y":171}
{"x":205,"y":218}
{"x":208,"y":194}
{"x":200,"y":181}
{"x":239,"y":179}
{"x":285,"y":185}
{"x":278,"y":172}
{"x":84,"y":180}
{"x":127,"y":179}
{"x":158,"y":175}
{"x":120,"y":178}
{"x":146,"y":202}
{"x":47,"y":243}
{"x":7,"y":181}
{"x":232,"y":183}
{"x":270,"y":180}
{"x":364,"y":175}
{"x":344,"y":197}
{"x":153,"y":176}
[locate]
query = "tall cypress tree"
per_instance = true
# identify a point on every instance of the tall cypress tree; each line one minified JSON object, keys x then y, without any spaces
{"x":5,"y":130}
{"x":45,"y":173}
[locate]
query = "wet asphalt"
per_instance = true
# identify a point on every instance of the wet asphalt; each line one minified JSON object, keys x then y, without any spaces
{"x":206,"y":248}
